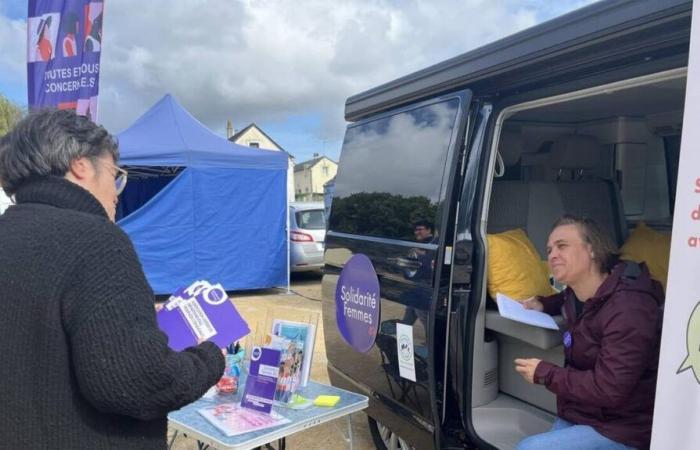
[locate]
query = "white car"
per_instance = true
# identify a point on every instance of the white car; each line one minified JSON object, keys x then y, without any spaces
{"x":307,"y":233}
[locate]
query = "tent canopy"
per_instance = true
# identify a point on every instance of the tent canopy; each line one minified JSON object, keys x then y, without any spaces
{"x":168,"y":135}
{"x":222,"y":218}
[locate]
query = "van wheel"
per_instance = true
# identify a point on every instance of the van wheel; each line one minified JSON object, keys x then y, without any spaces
{"x":384,"y":438}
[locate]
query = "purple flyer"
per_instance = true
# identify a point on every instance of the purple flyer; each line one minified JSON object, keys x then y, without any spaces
{"x":201,"y":312}
{"x":260,"y":386}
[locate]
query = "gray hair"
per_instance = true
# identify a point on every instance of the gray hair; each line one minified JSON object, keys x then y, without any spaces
{"x":605,"y":252}
{"x":46,"y":142}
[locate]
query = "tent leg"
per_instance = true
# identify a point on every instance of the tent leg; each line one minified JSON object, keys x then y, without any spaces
{"x":289,"y":290}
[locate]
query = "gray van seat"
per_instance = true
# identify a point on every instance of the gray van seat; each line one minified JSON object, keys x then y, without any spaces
{"x":569,"y":157}
{"x":510,"y":146}
{"x":523,"y":421}
{"x":539,"y":337}
{"x":510,"y":381}
{"x":534,"y":206}
{"x":574,"y":153}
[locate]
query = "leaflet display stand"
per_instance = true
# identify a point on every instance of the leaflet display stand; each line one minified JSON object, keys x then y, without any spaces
{"x":297,"y":325}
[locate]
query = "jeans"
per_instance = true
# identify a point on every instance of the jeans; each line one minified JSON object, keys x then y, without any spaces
{"x":566,"y":435}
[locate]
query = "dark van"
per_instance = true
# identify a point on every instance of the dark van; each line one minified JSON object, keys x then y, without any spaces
{"x":581,"y":115}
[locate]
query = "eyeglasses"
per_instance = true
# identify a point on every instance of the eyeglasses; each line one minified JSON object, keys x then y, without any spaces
{"x":120,"y":177}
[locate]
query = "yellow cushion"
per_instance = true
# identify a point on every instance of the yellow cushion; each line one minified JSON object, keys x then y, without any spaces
{"x":515,"y":268}
{"x":650,"y":246}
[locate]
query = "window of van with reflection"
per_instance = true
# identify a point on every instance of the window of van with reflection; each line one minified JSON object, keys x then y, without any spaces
{"x":389,"y":191}
{"x":392,"y":172}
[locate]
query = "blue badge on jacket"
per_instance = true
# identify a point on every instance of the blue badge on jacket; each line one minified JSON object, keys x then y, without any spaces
{"x":567,"y":339}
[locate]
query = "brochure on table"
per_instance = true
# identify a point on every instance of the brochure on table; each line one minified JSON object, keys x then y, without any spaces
{"x":200,"y":312}
{"x":289,"y":366}
{"x":304,"y":335}
{"x":261,"y":384}
{"x":233,"y":419}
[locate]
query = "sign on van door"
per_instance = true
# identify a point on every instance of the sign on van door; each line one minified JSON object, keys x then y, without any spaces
{"x":677,"y":410}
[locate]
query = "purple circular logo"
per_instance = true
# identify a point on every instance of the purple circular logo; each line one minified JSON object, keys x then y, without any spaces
{"x":215,"y":295}
{"x":567,"y":339}
{"x":357,"y":303}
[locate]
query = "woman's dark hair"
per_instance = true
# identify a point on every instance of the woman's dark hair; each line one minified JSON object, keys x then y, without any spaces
{"x":605,"y":252}
{"x":46,"y":142}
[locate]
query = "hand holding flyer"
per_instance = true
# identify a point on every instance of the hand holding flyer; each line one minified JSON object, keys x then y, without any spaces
{"x":198,"y":313}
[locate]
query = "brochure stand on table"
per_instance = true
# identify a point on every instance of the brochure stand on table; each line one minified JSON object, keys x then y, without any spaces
{"x":296,"y":324}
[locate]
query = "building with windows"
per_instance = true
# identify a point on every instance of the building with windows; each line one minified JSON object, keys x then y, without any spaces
{"x":254,"y":136}
{"x":310,"y":176}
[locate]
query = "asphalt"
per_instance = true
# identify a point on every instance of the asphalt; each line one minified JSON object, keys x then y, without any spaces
{"x":303,"y":301}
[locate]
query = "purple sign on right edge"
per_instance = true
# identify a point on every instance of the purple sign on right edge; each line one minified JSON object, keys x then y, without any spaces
{"x":357,"y":303}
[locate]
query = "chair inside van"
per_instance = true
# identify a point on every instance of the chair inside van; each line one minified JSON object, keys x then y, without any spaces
{"x":561,"y":179}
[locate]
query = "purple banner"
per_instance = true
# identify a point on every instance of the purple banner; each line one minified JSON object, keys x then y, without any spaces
{"x":64,"y":43}
{"x":357,"y":303}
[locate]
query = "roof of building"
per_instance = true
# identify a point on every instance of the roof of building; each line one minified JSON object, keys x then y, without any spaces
{"x":310,"y":163}
{"x":240,"y":133}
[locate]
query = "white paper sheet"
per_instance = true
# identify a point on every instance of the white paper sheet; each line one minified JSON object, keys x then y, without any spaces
{"x":513,"y":310}
{"x":404,"y":343}
{"x":197,"y":319}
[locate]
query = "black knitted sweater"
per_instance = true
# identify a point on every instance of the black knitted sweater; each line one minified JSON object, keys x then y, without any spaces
{"x":84,"y":365}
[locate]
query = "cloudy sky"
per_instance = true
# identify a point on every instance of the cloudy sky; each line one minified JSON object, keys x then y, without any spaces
{"x":286,"y":65}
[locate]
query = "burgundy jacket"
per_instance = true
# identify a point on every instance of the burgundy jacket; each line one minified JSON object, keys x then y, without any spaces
{"x":609,"y":378}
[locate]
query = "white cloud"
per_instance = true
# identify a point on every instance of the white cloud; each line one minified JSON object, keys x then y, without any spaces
{"x":13,"y":47}
{"x":260,"y":60}
{"x":265,"y":60}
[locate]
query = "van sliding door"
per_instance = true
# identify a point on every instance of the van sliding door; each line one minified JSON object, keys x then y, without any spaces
{"x":394,"y":183}
{"x":462,"y":336}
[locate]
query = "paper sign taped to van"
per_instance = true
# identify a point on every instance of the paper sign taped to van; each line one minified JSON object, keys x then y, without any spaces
{"x":357,"y":303}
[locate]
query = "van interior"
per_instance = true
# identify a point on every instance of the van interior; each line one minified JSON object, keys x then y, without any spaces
{"x":609,"y":153}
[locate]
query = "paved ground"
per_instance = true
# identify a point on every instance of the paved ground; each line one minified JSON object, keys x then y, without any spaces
{"x":256,"y":307}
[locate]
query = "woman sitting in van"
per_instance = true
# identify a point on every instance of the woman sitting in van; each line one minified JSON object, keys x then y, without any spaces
{"x":605,"y":391}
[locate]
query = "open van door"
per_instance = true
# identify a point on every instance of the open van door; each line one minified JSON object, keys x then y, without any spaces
{"x":677,"y":407}
{"x":388,"y":255}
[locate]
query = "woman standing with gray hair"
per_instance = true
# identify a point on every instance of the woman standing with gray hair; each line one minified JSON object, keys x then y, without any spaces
{"x":85,"y":365}
{"x":605,"y":391}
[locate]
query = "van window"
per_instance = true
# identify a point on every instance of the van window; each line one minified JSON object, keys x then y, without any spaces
{"x":391,"y":171}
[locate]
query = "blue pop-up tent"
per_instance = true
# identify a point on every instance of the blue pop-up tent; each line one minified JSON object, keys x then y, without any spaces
{"x":200,"y":207}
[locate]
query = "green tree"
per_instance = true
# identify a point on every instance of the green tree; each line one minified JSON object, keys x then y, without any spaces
{"x":10,"y":114}
{"x":380,"y":214}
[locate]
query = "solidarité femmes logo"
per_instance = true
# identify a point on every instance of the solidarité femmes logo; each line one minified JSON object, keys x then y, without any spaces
{"x":357,"y":303}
